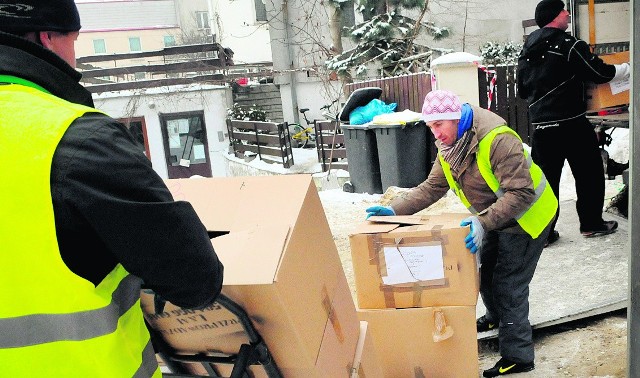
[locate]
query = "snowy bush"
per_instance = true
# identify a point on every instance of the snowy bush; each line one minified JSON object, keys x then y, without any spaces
{"x":243,"y":114}
{"x":494,"y":53}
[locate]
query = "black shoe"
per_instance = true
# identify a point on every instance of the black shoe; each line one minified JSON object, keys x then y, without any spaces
{"x":484,"y":325}
{"x":606,"y":228}
{"x":552,"y":238}
{"x":504,"y":367}
{"x":614,"y":168}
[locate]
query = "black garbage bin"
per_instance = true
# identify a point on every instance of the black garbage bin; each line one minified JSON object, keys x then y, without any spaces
{"x":362,"y":158}
{"x":403,"y":153}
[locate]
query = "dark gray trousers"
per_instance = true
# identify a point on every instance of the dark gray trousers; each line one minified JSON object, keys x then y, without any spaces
{"x":508,"y":262}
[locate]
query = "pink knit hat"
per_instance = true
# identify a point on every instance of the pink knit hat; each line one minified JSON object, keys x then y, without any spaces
{"x":441,"y":105}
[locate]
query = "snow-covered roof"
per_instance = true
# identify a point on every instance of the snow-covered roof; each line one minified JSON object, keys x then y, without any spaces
{"x":162,"y":90}
{"x":456,"y":58}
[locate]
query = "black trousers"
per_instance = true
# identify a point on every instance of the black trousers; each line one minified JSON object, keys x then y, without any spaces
{"x":507,"y":264}
{"x":576,"y":142}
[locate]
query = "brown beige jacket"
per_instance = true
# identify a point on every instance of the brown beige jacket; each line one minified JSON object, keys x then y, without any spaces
{"x":509,"y":165}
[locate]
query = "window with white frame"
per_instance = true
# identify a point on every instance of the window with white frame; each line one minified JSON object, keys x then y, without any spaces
{"x":99,"y":46}
{"x":134,"y":44}
{"x":169,"y":41}
{"x":202,"y":20}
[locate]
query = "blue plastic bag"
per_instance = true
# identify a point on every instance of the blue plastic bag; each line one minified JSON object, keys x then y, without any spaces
{"x":365,"y":113}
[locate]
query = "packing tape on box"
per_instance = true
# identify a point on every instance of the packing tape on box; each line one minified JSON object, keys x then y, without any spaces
{"x":441,"y":330}
{"x":377,"y":257}
{"x":331,"y":314}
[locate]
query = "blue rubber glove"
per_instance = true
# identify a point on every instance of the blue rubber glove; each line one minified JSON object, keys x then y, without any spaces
{"x":476,"y":234}
{"x":379,"y":210}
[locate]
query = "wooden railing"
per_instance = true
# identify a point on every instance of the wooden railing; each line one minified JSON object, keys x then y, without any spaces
{"x":332,"y":153}
{"x":270,"y":141}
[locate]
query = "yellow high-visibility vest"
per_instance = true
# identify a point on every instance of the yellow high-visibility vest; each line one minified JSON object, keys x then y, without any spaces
{"x":537,"y":216}
{"x":53,"y":322}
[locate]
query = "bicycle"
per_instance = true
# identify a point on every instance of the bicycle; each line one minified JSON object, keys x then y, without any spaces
{"x":302,"y":136}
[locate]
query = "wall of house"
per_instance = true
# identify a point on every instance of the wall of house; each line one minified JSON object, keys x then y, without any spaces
{"x":232,"y":21}
{"x":212,"y":100}
{"x":117,"y":21}
{"x":472,"y":23}
{"x":117,"y":42}
{"x":237,"y":28}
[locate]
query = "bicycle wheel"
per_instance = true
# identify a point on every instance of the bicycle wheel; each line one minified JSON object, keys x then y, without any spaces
{"x":297,"y":135}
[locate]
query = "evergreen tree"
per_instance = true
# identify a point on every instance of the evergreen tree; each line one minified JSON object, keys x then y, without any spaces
{"x":385,"y":37}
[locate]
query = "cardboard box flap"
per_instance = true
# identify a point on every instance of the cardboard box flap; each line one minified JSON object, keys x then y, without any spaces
{"x":402,"y":219}
{"x":373,"y":227}
{"x":379,"y":224}
{"x":251,"y":256}
{"x":445,"y":220}
{"x":240,"y":203}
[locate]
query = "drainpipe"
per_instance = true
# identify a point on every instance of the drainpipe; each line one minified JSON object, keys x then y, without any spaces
{"x":282,"y":54}
{"x":292,"y":72}
{"x":633,"y":310}
{"x":215,"y":36}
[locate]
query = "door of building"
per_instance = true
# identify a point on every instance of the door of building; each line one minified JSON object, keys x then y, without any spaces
{"x":185,"y":144}
{"x":138,"y":129}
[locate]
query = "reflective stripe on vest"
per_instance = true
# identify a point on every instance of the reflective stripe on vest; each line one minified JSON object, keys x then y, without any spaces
{"x":53,"y":322}
{"x":540,"y":212}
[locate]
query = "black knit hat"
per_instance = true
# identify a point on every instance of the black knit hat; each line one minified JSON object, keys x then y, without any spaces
{"x":547,"y":10}
{"x":21,"y":16}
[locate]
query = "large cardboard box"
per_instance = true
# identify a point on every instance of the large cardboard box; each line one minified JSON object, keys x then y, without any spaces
{"x":606,"y":95}
{"x":366,"y":363}
{"x":413,"y":261}
{"x":425,"y":342}
{"x":281,"y":266}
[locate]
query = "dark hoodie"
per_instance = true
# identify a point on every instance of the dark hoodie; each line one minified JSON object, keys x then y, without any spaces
{"x":552,"y":69}
{"x":110,"y":206}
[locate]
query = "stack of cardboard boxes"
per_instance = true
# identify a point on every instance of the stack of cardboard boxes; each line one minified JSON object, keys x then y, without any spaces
{"x":282,"y":267}
{"x":417,"y":287}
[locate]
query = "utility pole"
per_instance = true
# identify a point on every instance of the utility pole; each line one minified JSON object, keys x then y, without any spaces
{"x":633,"y":309}
{"x":215,"y":33}
{"x":283,"y":56}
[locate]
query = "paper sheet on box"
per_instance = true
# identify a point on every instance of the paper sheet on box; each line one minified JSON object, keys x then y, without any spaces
{"x":412,"y":264}
{"x":620,"y":86}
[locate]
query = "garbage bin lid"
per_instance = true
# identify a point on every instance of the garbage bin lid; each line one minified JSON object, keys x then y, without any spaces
{"x":364,"y":126}
{"x":359,"y":97}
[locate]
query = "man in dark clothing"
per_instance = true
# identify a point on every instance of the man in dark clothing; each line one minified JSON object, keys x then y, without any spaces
{"x":86,"y":221}
{"x":552,"y":69}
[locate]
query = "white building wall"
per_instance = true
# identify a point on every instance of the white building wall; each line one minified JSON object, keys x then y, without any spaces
{"x":212,"y":100}
{"x":475,"y":22}
{"x":236,"y":27}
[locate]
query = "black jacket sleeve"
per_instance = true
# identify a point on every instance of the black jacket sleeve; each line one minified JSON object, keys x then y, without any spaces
{"x":588,"y":66}
{"x":111,"y":207}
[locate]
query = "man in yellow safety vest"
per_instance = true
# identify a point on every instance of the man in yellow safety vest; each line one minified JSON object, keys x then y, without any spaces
{"x":84,"y":219}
